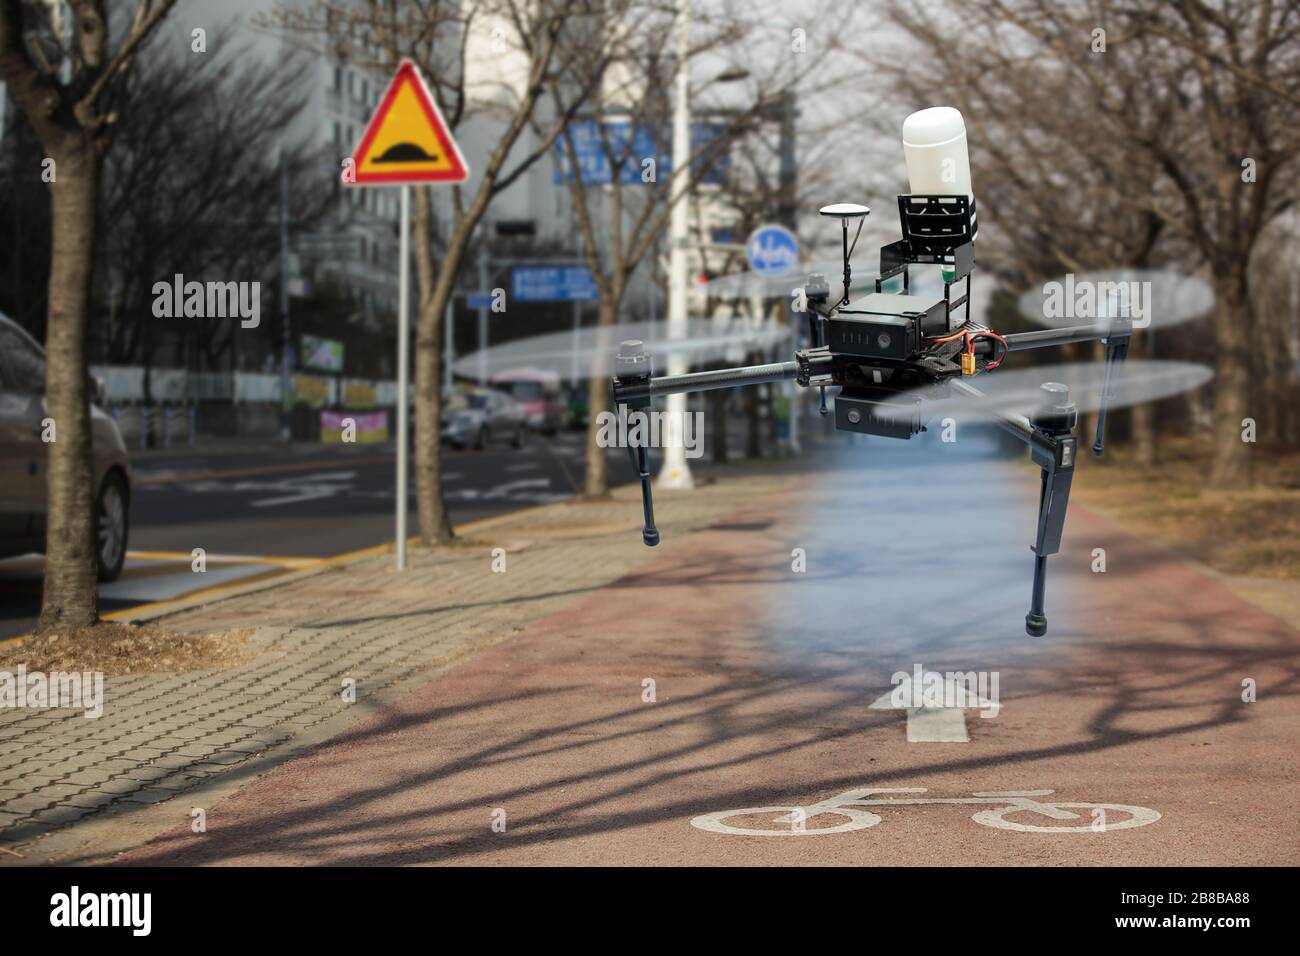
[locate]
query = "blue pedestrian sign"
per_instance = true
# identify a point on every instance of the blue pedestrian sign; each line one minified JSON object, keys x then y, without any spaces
{"x":772,"y":250}
{"x":552,"y":284}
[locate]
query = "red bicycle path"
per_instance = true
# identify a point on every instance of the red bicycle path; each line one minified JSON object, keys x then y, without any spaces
{"x":1135,"y":701}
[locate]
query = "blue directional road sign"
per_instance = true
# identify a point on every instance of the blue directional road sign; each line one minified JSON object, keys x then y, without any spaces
{"x":599,"y":147}
{"x":772,"y":250}
{"x":552,"y":284}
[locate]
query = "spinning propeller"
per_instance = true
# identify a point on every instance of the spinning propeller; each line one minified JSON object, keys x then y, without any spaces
{"x":589,"y":351}
{"x":1149,"y":298}
{"x":993,"y":397}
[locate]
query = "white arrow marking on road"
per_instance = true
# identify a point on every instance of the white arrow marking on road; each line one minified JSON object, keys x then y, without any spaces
{"x":502,"y":491}
{"x":303,"y":488}
{"x":930,"y":724}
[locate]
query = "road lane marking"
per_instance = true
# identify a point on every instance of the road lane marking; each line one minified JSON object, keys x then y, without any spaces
{"x":936,"y":725}
{"x":146,"y":478}
{"x":307,"y":488}
{"x":211,"y":558}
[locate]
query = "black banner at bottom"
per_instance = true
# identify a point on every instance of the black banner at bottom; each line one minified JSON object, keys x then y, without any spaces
{"x":226,"y":905}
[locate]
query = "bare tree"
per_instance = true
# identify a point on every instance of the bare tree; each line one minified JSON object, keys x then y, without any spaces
{"x":1053,"y":195}
{"x":191,"y":186}
{"x":622,"y":217}
{"x":67,"y":76}
{"x":436,"y":35}
{"x":1188,"y":113}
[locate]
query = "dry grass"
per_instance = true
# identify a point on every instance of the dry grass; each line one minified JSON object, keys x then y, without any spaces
{"x":127,"y":649}
{"x":1254,"y":532}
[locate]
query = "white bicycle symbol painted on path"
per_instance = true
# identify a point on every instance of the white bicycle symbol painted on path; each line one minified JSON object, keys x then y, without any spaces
{"x":797,"y":821}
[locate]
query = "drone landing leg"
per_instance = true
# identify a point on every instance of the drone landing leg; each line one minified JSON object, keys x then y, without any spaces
{"x":1058,"y":472}
{"x":641,"y":465}
{"x":1116,"y":350}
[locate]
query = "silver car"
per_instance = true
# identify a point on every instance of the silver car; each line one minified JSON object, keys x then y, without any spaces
{"x":24,"y":456}
{"x":481,"y":416}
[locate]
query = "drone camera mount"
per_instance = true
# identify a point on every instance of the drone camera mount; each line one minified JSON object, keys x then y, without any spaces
{"x":862,"y":410}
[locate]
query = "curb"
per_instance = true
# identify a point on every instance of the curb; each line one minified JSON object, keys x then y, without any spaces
{"x":176,"y":606}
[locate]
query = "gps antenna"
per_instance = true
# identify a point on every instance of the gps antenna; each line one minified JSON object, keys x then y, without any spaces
{"x":844,"y":211}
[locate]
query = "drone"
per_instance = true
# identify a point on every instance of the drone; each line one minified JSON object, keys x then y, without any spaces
{"x":900,"y":358}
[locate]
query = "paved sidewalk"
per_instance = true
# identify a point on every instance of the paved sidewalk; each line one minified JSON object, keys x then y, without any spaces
{"x":76,"y":790}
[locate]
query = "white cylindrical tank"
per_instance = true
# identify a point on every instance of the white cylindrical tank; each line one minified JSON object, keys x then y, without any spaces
{"x":934,"y":146}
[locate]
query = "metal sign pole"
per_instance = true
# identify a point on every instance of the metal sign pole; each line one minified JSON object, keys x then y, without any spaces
{"x":483,"y":312}
{"x":423,"y":131}
{"x":403,"y":375}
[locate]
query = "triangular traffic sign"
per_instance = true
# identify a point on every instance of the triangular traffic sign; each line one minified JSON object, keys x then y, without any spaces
{"x":407,"y":140}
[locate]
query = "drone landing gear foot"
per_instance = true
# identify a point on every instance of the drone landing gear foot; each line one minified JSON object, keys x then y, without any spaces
{"x":641,"y":465}
{"x":1036,"y":620}
{"x":1056,"y":457}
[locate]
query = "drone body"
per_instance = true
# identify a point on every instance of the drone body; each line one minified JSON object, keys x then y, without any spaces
{"x":892,"y":353}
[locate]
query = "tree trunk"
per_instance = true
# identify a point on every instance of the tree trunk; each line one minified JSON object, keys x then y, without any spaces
{"x":69,"y":599}
{"x":1096,"y":352}
{"x":434,"y":293}
{"x":1232,"y":464}
{"x":596,"y":484}
{"x":718,"y":407}
{"x":1144,"y":414}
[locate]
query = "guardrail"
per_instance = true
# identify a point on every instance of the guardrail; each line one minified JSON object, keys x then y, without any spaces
{"x":124,"y":384}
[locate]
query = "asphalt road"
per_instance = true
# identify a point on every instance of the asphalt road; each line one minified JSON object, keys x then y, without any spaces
{"x":278,"y":508}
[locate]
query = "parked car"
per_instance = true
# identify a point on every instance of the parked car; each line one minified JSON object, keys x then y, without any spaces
{"x":480,"y":416}
{"x":538,"y":391}
{"x":24,"y":456}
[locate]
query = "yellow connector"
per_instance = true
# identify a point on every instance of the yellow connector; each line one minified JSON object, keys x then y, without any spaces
{"x":967,"y":363}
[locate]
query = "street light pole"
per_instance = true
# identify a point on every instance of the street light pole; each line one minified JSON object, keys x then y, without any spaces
{"x":787,"y":216}
{"x":675,"y":473}
{"x":482,"y":311}
{"x":286,"y":383}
